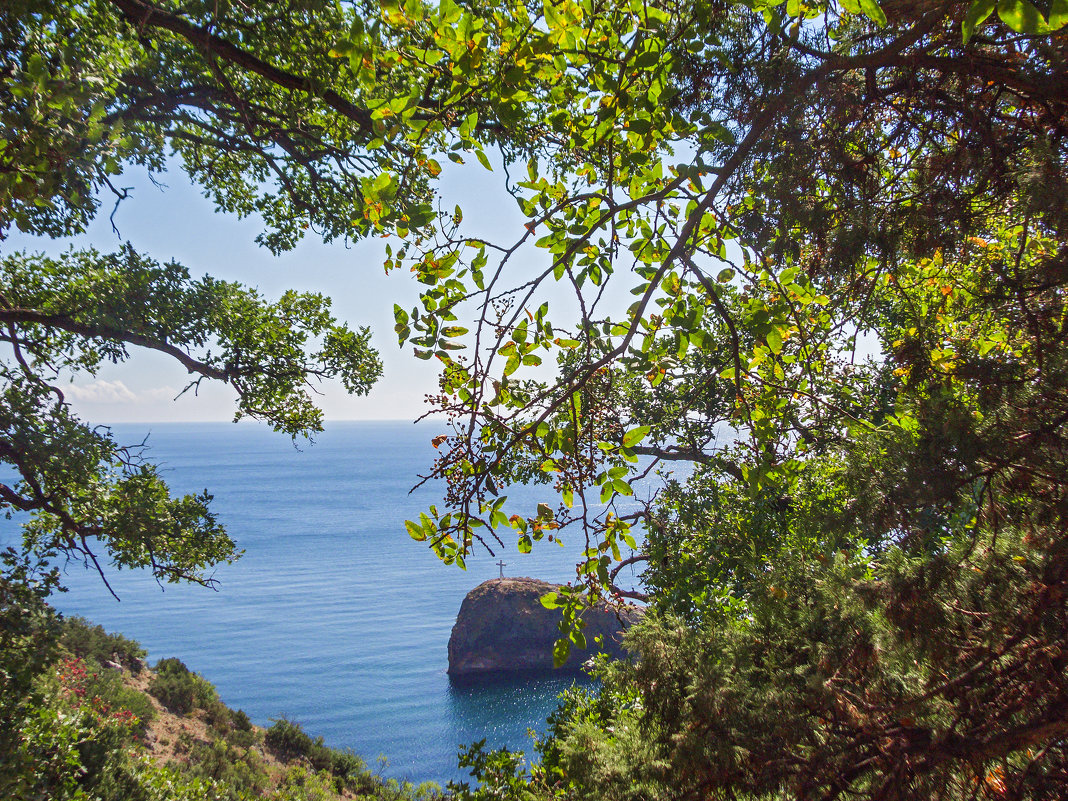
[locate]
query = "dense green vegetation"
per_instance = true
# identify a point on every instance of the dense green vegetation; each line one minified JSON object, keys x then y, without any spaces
{"x":842,"y":230}
{"x":841,"y":225}
{"x":87,"y":92}
{"x":82,"y":730}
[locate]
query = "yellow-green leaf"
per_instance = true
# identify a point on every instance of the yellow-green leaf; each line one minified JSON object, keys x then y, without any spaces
{"x":871,"y":10}
{"x":775,"y":341}
{"x":977,"y":13}
{"x":634,"y":436}
{"x":1021,"y":16}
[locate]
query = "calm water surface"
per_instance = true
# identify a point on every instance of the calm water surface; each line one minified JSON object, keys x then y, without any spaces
{"x":333,"y":618}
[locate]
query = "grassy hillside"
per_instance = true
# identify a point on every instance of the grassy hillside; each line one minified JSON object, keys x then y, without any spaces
{"x":88,"y":719}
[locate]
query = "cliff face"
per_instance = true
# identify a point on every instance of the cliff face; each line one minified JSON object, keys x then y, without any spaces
{"x":503,"y":628}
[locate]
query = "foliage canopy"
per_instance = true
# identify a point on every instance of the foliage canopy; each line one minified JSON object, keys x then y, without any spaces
{"x":841,"y":225}
{"x":90,"y":89}
{"x":842,"y":229}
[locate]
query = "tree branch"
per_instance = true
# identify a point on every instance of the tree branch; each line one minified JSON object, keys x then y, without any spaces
{"x":64,"y":323}
{"x":142,"y":15}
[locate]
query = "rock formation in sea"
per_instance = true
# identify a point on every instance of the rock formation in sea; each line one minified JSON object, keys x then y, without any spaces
{"x":503,"y":628}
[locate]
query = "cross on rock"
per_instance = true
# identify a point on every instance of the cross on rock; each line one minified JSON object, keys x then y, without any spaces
{"x":500,"y":564}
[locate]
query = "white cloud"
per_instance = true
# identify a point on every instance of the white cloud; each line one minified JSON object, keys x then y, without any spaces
{"x":101,"y":392}
{"x":167,"y":393}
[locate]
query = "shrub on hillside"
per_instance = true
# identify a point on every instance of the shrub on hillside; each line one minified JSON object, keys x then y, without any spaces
{"x":241,"y":738}
{"x":87,"y":641}
{"x":28,"y":629}
{"x":239,"y":772}
{"x":289,"y":741}
{"x":108,"y":686}
{"x":241,"y":733}
{"x":240,"y":720}
{"x":175,"y":693}
{"x":218,"y":715}
{"x":179,"y":689}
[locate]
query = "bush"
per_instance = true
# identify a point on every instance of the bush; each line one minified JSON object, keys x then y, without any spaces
{"x":240,"y":720}
{"x":300,"y":784}
{"x":172,"y":666}
{"x":179,"y":689}
{"x":289,"y":741}
{"x":174,"y":692}
{"x":107,"y":685}
{"x":241,"y":738}
{"x":239,"y":772}
{"x":350,"y":771}
{"x":241,"y":732}
{"x":87,"y":641}
{"x":28,"y":635}
{"x":218,"y":715}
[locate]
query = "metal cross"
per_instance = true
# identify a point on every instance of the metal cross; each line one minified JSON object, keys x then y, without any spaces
{"x":500,"y":564}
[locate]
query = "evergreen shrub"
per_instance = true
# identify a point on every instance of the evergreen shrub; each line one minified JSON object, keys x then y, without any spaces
{"x":108,"y":686}
{"x":239,"y":772}
{"x":288,"y":741}
{"x":179,"y":689}
{"x":87,"y":641}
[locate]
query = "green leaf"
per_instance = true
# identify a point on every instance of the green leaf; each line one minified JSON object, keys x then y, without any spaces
{"x":977,"y":13}
{"x":871,"y":10}
{"x":634,"y":436}
{"x":1058,"y":14}
{"x":483,"y":160}
{"x":550,"y":600}
{"x":415,"y":531}
{"x":775,"y":341}
{"x":1021,"y":16}
{"x":561,"y":651}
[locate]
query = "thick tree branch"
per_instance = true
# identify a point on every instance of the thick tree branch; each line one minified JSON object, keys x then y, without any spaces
{"x":63,"y":323}
{"x":142,"y":15}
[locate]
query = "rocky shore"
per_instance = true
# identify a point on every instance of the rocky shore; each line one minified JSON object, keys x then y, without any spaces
{"x":502,"y":628}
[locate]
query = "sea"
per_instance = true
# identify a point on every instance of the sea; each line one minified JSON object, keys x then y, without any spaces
{"x":333,"y":617}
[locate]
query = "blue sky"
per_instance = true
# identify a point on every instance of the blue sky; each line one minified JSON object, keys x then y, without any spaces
{"x":175,"y":222}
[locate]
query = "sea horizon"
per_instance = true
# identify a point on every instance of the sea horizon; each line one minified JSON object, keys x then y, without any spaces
{"x":333,"y":618}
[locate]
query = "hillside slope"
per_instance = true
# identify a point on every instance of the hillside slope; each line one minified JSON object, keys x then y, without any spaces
{"x":93,"y":721}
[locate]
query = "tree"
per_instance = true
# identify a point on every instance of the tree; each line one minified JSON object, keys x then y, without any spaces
{"x":860,"y":591}
{"x":250,"y":102}
{"x":843,"y":229}
{"x":311,"y":115}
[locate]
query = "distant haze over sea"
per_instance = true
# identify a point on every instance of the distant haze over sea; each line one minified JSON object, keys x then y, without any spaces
{"x":333,"y":618}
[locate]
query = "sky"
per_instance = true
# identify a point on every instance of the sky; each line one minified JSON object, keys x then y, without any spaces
{"x":170,"y":219}
{"x":174,"y":221}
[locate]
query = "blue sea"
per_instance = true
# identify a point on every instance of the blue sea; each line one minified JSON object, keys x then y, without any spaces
{"x":334,"y":617}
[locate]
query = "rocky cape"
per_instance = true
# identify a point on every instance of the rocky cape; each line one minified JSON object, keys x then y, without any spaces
{"x":502,"y":628}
